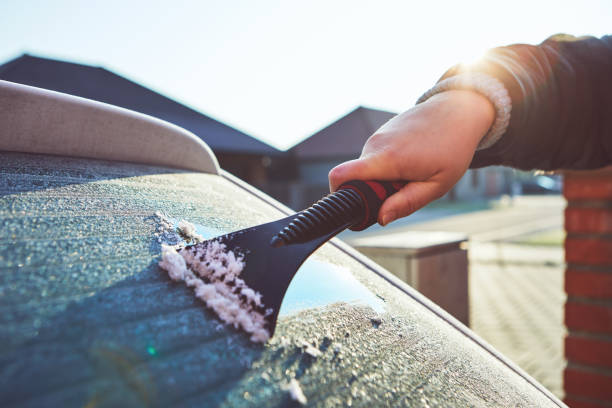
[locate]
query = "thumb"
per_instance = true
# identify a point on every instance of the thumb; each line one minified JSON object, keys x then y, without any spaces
{"x":358,"y":169}
{"x":344,"y":172}
{"x":410,"y":198}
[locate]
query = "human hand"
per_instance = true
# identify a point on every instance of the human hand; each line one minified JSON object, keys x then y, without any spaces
{"x":430,"y":145}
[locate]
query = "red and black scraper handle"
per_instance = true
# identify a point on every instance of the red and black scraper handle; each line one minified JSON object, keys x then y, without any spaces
{"x":355,"y":205}
{"x":372,"y":194}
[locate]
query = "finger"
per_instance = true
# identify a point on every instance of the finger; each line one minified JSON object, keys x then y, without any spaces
{"x":359,"y":169}
{"x":410,"y":198}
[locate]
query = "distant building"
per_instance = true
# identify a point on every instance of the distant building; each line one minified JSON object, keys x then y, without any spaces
{"x":237,"y":152}
{"x":343,"y":140}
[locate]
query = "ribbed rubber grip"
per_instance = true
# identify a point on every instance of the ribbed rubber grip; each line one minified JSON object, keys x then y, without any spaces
{"x":373,"y":194}
{"x":356,"y":203}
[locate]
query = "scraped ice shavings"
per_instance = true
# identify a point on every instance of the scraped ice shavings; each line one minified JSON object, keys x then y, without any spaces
{"x":165,"y":232}
{"x":311,"y":350}
{"x":295,"y":391}
{"x":188,"y":230}
{"x":213,"y":272}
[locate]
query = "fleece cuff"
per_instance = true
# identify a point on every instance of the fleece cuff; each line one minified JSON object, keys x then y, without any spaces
{"x":488,"y":86}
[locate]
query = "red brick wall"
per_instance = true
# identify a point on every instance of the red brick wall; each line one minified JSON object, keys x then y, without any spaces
{"x":588,"y":283}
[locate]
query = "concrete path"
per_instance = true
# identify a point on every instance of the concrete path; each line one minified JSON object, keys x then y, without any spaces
{"x":507,"y":219}
{"x":516,"y":291}
{"x":518,"y":308}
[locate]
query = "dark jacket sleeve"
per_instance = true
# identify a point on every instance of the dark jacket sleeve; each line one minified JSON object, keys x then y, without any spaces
{"x":561,"y":94}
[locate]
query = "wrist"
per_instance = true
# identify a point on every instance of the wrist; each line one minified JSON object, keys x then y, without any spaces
{"x":475,"y":108}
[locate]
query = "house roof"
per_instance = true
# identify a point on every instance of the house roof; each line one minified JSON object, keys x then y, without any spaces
{"x":345,"y":137}
{"x":105,"y":86}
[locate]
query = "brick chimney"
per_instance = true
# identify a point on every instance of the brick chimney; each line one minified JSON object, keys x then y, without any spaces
{"x":588,"y":283}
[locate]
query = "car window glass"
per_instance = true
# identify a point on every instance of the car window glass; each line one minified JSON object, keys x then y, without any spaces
{"x":89,"y":318}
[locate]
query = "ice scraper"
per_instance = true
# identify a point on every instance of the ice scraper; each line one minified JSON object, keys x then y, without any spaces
{"x":273,"y":252}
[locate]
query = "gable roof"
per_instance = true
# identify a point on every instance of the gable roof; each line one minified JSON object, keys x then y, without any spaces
{"x":344,"y":137}
{"x":105,"y":86}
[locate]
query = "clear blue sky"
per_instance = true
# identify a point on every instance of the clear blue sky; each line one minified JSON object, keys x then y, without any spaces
{"x":281,"y":70}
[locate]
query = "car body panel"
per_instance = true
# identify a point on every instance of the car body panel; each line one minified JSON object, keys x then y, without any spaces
{"x":36,"y":120}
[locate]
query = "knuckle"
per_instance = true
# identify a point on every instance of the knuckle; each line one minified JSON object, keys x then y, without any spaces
{"x":439,"y":193}
{"x":407,"y":206}
{"x":394,"y":155}
{"x":377,"y":141}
